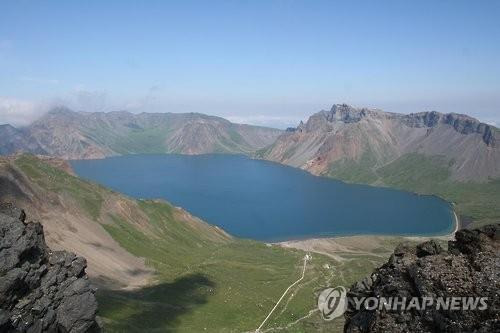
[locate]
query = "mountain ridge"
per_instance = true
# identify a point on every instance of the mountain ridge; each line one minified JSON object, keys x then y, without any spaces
{"x":375,"y":138}
{"x":69,"y":134}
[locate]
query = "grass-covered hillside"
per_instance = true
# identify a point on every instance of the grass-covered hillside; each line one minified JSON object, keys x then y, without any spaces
{"x":188,"y":276}
{"x":476,"y":202}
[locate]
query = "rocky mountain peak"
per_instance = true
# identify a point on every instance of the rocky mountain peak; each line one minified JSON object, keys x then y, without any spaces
{"x":460,"y":122}
{"x":434,"y":118}
{"x":345,"y":113}
{"x":322,"y":120}
{"x":41,"y":290}
{"x":56,"y":116}
{"x":469,"y":268}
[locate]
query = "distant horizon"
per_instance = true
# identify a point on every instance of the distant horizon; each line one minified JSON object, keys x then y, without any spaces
{"x":231,"y":119}
{"x":269,"y":63}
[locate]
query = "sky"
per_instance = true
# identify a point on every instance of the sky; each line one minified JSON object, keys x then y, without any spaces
{"x":262,"y":62}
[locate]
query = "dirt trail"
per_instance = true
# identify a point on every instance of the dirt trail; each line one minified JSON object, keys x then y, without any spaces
{"x":306,"y":258}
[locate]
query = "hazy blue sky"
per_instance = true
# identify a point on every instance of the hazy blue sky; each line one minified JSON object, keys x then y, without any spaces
{"x":272,"y":62}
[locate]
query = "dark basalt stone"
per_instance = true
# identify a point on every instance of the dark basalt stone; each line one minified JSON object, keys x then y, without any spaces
{"x":428,"y":248}
{"x":470,"y":267}
{"x":41,"y":290}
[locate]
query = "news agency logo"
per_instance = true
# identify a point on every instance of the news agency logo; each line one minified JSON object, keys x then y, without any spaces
{"x":332,"y":302}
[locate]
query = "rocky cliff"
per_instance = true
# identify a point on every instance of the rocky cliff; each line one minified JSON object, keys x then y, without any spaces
{"x":40,"y":290}
{"x":463,"y":124}
{"x":352,"y":144}
{"x":79,"y":135}
{"x":469,"y":268}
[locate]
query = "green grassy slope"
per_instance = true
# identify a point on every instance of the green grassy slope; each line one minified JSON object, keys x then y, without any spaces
{"x":355,"y":171}
{"x":205,"y":281}
{"x":431,"y":175}
{"x":87,"y":195}
{"x":477,"y":202}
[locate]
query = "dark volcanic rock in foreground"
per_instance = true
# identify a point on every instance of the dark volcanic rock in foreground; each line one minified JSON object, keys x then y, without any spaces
{"x":470,"y":267}
{"x":40,"y":290}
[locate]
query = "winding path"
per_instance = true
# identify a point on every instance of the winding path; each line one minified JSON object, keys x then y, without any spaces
{"x":306,"y":258}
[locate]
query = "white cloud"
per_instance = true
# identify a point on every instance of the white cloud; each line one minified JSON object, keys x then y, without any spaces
{"x":19,"y":112}
{"x":87,"y":100}
{"x":81,"y":99}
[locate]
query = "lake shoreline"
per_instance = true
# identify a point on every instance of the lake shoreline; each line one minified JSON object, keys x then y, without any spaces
{"x":456,"y":220}
{"x":268,"y":201}
{"x":335,"y":247}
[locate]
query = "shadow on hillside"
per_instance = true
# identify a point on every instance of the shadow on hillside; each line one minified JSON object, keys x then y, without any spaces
{"x":153,"y":308}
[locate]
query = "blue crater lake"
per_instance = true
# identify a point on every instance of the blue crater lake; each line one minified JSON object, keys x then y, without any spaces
{"x":267,"y":201}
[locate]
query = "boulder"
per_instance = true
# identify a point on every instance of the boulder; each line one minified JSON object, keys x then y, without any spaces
{"x":469,"y":268}
{"x":41,"y":290}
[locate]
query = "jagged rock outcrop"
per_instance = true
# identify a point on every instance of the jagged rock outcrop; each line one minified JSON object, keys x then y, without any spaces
{"x":469,"y":268}
{"x":463,"y":124}
{"x":346,"y":113}
{"x":41,"y":290}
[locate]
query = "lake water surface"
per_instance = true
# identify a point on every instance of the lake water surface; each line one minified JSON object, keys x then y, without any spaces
{"x":267,"y":201}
